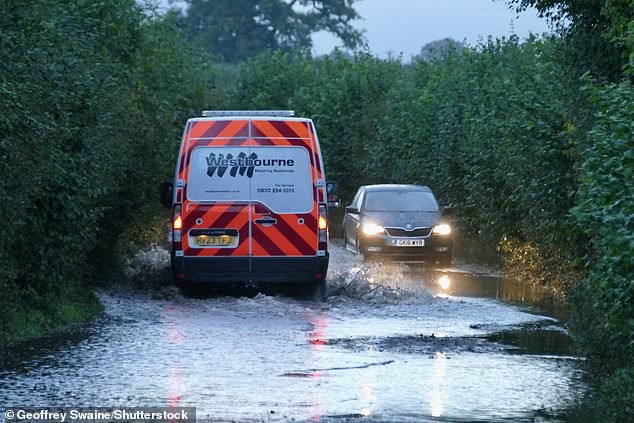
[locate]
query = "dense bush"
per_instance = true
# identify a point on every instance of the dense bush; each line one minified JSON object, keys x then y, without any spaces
{"x":91,"y":93}
{"x":604,"y":299}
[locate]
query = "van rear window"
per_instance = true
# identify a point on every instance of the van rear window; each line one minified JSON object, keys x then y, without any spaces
{"x":278,"y":177}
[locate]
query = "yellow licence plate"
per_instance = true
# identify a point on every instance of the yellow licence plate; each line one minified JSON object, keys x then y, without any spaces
{"x":213,"y":241}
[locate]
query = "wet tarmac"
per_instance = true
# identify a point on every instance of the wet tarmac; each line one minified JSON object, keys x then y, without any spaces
{"x":391,"y":342}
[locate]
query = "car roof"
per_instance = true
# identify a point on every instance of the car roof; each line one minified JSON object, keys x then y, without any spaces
{"x":396,"y":187}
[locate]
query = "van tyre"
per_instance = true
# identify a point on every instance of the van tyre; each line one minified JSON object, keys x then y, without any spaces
{"x":317,"y":291}
{"x":188,"y":289}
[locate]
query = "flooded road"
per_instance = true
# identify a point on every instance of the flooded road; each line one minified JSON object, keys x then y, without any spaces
{"x":390,"y":343}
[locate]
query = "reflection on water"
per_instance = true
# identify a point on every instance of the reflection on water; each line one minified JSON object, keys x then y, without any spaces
{"x":461,"y":284}
{"x":437,"y":394}
{"x":540,"y":339}
{"x":368,"y":395}
{"x":444,"y":282}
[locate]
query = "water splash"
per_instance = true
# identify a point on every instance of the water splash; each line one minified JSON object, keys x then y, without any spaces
{"x":374,"y":282}
{"x":153,"y":260}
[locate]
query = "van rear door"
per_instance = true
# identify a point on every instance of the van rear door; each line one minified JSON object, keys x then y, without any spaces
{"x":285,"y":220}
{"x":254,"y":197}
{"x":284,"y":223}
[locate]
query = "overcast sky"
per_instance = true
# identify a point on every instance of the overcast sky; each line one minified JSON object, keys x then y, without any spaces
{"x":393,"y":27}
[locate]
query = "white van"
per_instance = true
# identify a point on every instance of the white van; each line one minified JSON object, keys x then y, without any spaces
{"x":249,"y":201}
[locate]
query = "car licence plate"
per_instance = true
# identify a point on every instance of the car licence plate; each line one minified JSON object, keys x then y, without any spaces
{"x":410,"y":242}
{"x":213,"y":241}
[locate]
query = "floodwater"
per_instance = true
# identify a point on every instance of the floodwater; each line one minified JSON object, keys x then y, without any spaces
{"x":390,"y":343}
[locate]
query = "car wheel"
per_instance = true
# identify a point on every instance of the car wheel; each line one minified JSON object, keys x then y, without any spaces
{"x":347,"y":243}
{"x":366,"y":255}
{"x":445,"y":259}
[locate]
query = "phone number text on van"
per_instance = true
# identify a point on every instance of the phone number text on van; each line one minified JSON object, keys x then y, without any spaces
{"x":277,"y":190}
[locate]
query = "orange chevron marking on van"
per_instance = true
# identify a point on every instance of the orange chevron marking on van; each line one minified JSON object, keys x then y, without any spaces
{"x":250,"y":195}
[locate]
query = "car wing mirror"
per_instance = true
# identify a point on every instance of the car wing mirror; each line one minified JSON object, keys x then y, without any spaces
{"x":167,"y":194}
{"x":352,"y":210}
{"x":448,"y":209}
{"x":332,"y":193}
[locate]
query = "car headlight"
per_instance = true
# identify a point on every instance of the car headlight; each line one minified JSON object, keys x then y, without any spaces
{"x":442,"y":229}
{"x":372,"y":229}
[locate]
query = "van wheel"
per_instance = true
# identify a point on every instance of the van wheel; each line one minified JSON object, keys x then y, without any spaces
{"x":189,"y":290}
{"x":317,"y":291}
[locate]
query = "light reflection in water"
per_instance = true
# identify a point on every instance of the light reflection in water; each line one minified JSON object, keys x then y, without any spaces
{"x":368,"y":387}
{"x":175,"y":386}
{"x":175,"y":335}
{"x":317,"y":335}
{"x":438,"y":396}
{"x":317,"y":345}
{"x":444,"y":282}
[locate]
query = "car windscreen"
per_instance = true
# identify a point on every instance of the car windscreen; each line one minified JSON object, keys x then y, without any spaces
{"x":404,"y":201}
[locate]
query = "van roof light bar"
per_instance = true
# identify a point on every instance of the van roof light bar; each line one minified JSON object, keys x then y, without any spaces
{"x":218,"y":113}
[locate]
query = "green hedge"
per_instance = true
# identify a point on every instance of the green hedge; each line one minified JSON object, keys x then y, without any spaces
{"x":93,"y":96}
{"x":604,"y":299}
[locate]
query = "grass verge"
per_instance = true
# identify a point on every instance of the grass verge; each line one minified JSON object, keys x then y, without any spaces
{"x":31,"y":320}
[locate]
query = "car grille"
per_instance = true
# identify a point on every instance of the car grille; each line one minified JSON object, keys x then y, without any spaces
{"x":400,"y":232}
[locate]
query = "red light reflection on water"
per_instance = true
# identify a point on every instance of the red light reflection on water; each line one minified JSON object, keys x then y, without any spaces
{"x":316,"y":336}
{"x":317,"y":345}
{"x":174,"y":386}
{"x":174,"y":335}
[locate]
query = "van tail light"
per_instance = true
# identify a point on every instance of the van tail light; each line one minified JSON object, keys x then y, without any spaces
{"x":177,"y":227}
{"x":323,"y":227}
{"x":178,"y":223}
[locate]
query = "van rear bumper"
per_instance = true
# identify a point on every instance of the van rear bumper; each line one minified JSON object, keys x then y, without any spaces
{"x":250,"y":270}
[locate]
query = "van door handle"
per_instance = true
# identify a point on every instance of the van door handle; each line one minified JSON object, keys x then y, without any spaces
{"x":266,"y":221}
